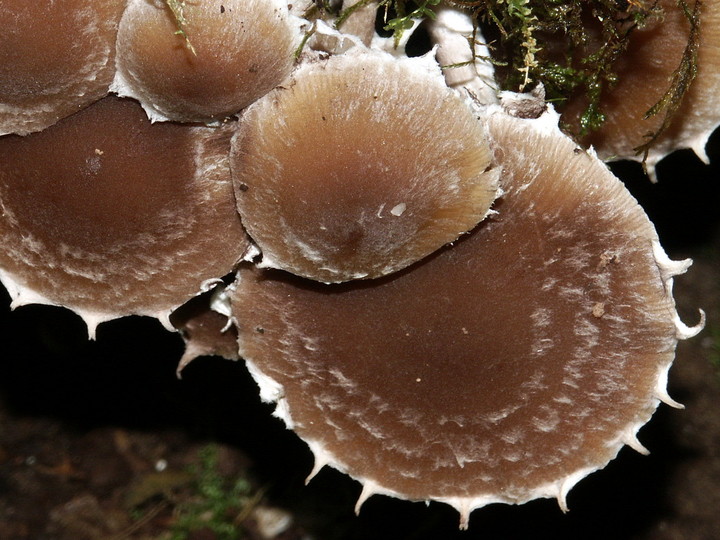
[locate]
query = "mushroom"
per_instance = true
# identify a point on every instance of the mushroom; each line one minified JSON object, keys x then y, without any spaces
{"x":361,"y":21}
{"x":645,"y":73}
{"x":506,"y":366}
{"x":355,"y":23}
{"x":109,"y":215}
{"x":349,"y":172}
{"x":205,"y":328}
{"x":228,"y":54}
{"x":55,"y":59}
{"x":497,"y":365}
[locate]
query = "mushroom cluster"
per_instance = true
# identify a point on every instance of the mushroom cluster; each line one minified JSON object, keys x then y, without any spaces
{"x":447,"y":297}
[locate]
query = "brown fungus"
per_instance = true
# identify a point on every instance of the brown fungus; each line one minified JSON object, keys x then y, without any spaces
{"x":228,"y":54}
{"x":674,"y":57}
{"x":55,"y":59}
{"x":205,"y":330}
{"x":503,"y":368}
{"x":349,"y":172}
{"x":109,"y":215}
{"x":360,"y":19}
{"x":355,"y":23}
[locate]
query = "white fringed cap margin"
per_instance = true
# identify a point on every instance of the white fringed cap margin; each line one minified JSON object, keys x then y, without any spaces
{"x":504,"y":368}
{"x":646,"y":73}
{"x":108,"y":215}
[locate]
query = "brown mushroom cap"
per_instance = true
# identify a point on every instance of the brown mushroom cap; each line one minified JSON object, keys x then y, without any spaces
{"x":109,"y":215}
{"x":503,"y":368}
{"x":242,"y":49}
{"x":644,"y":75}
{"x":55,"y":58}
{"x":357,"y":25}
{"x":206,"y":332}
{"x":348,"y":171}
{"x":361,"y":22}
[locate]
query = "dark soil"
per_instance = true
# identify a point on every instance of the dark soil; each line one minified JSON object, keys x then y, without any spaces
{"x":85,"y":427}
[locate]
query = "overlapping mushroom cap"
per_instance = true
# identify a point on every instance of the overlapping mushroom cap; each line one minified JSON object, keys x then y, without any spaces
{"x":347,"y":171}
{"x":205,"y":328}
{"x":503,"y":368}
{"x":109,"y":215}
{"x":680,"y":48}
{"x":229,"y":54}
{"x":55,"y":59}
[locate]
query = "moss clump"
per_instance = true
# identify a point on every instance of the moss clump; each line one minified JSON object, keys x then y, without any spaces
{"x":571,"y":46}
{"x":219,"y":505}
{"x":587,"y":37}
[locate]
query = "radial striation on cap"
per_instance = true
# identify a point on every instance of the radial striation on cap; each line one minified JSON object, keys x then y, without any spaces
{"x":109,"y":215}
{"x":503,"y":368}
{"x":348,"y":171}
{"x":230,"y":53}
{"x":55,"y":59}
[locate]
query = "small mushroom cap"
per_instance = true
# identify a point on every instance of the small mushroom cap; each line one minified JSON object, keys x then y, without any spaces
{"x":109,"y":215}
{"x":359,"y":23}
{"x":502,"y":368}
{"x":236,"y":51}
{"x":206,"y":332}
{"x":55,"y":58}
{"x":348,"y":171}
{"x":644,"y":75}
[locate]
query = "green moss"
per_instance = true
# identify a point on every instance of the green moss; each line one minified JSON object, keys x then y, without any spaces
{"x":589,"y":37}
{"x":681,"y":79}
{"x":401,"y":15}
{"x":571,"y":46}
{"x":218,"y":504}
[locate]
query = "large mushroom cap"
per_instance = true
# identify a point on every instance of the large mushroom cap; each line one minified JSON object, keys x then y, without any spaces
{"x":109,"y":215}
{"x":55,"y":59}
{"x":348,"y":171}
{"x":229,"y":54}
{"x":503,"y":368}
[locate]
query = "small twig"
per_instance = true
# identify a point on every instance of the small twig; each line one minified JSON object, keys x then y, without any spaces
{"x":177,"y":8}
